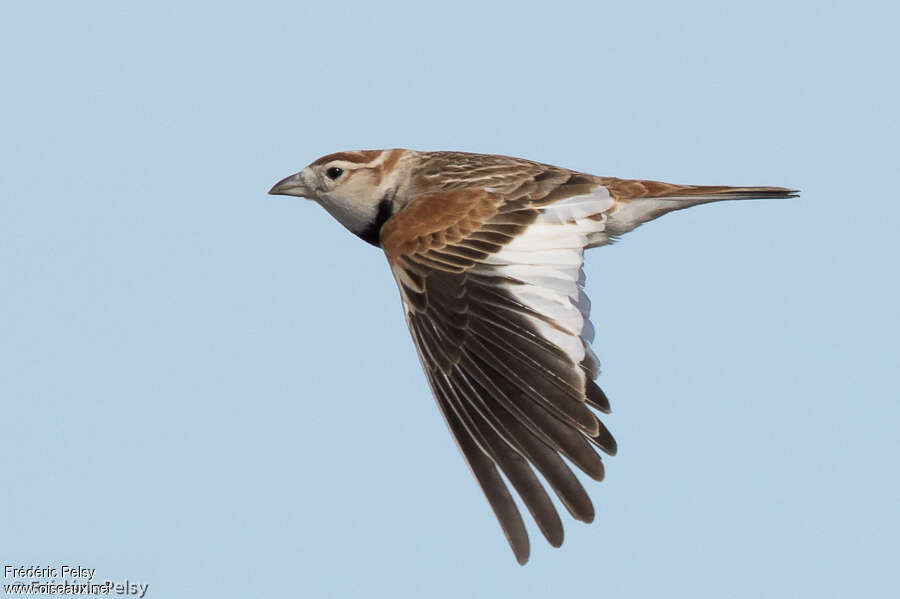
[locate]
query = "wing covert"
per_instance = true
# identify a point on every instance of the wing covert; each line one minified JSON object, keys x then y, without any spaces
{"x":492,"y":284}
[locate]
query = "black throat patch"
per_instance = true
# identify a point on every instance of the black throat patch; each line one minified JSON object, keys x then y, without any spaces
{"x":372,"y":234}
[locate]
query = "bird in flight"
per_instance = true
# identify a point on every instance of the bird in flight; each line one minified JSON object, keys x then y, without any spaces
{"x":487,"y":252}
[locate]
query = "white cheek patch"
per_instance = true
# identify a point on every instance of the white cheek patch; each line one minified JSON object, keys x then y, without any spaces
{"x":353,"y":215}
{"x":354,"y":201}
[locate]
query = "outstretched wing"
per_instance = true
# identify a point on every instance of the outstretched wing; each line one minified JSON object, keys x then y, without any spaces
{"x":492,"y":285}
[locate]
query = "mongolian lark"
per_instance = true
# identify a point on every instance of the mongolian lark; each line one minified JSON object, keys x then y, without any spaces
{"x":488,"y":251}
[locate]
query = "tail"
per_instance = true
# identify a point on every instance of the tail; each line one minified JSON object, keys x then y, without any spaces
{"x":640,"y":201}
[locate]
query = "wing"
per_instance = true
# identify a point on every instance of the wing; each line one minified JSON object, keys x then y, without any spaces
{"x":492,"y":285}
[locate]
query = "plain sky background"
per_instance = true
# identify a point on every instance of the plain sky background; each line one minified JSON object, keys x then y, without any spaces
{"x":213,"y":391}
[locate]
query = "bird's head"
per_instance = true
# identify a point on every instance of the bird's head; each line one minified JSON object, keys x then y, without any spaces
{"x":359,"y":189}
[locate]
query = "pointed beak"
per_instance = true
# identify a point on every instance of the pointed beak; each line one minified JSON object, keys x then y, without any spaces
{"x":291,"y":186}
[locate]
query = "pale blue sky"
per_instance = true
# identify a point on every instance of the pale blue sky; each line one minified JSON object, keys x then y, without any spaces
{"x":206,"y":388}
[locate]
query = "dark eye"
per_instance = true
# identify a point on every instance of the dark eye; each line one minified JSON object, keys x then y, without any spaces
{"x":334,"y":172}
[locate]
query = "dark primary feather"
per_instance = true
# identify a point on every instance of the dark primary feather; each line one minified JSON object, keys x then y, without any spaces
{"x":497,"y":411}
{"x":513,"y":400}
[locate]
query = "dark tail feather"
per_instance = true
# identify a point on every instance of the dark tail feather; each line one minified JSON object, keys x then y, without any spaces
{"x":640,"y":201}
{"x":712,"y":193}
